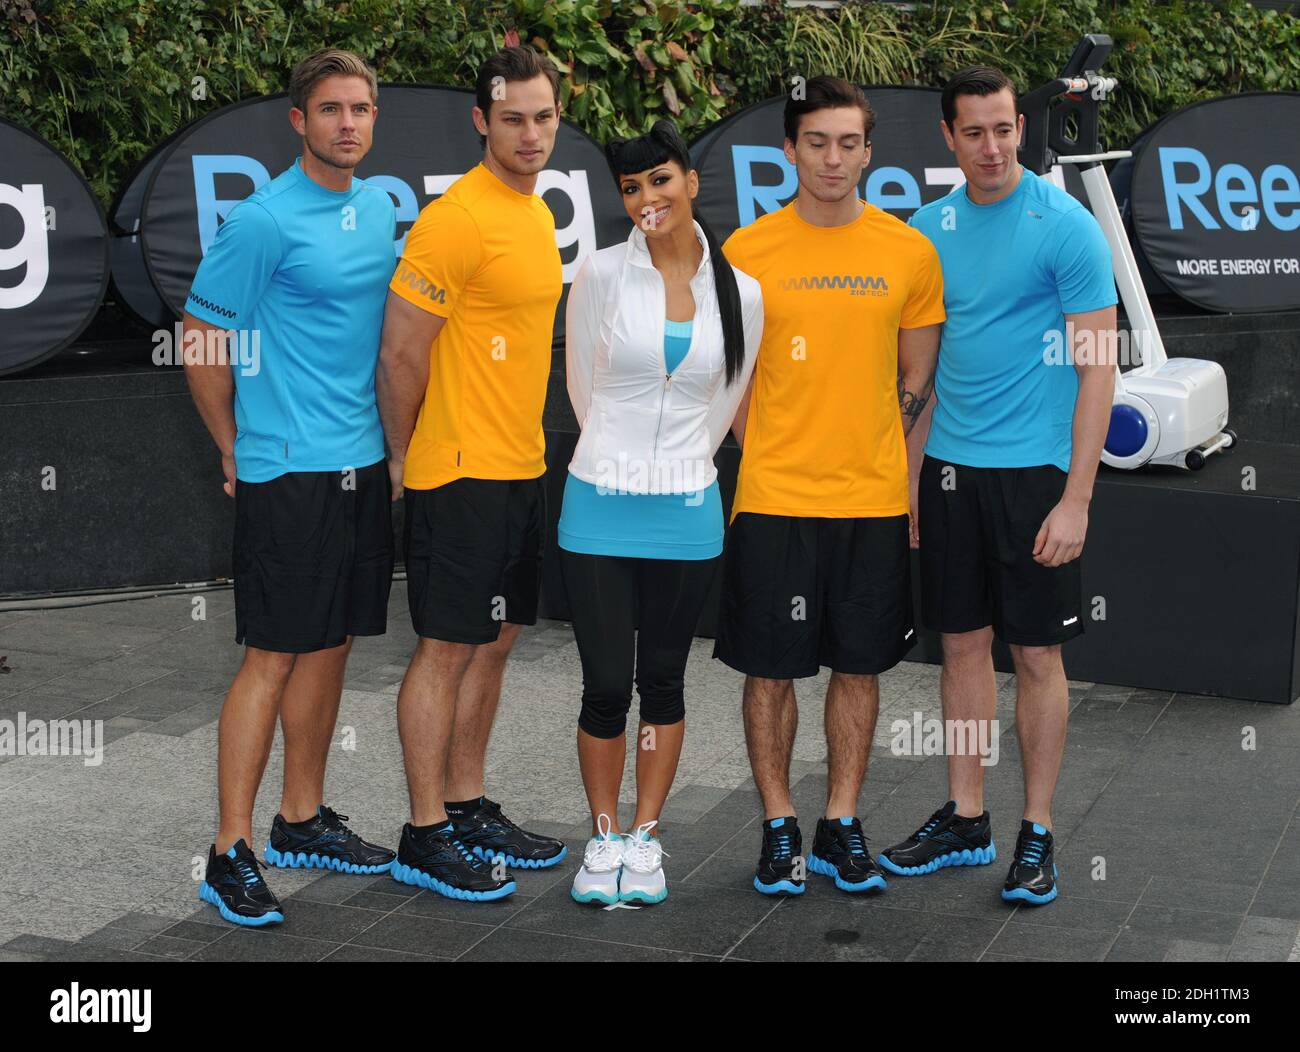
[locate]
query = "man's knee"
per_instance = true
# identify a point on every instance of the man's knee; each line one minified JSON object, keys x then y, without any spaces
{"x":499,"y":649}
{"x":762,"y":693}
{"x":854,"y":683}
{"x":1037,"y":664}
{"x":444,"y":656}
{"x":962,"y":647}
{"x":270,"y":666}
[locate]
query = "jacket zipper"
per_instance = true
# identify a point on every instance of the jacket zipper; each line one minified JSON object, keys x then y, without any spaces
{"x":663,"y":395}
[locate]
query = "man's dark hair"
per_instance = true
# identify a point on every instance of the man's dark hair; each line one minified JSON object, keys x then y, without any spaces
{"x":513,"y":64}
{"x":973,"y":80}
{"x":823,"y":93}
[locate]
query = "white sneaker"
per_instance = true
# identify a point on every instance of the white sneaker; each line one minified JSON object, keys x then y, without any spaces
{"x":643,"y":872}
{"x":602,"y":861}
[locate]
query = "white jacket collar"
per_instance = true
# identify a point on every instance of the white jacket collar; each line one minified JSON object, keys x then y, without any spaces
{"x":638,"y":252}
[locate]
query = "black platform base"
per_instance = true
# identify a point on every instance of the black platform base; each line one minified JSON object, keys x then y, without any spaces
{"x":1193,"y":581}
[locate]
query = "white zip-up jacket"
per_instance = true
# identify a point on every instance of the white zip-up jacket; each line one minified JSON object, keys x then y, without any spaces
{"x":644,"y":430}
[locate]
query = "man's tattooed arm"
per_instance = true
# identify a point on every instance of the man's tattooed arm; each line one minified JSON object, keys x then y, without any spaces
{"x":912,"y":403}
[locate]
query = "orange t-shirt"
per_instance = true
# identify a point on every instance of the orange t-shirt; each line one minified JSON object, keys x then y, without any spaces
{"x":824,"y":436}
{"x":484,"y":257}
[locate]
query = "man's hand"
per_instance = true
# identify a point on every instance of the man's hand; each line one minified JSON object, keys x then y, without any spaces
{"x":228,"y":469}
{"x":395,"y":469}
{"x":1060,"y":538}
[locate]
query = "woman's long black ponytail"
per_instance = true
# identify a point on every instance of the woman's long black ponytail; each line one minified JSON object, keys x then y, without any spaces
{"x":664,"y":143}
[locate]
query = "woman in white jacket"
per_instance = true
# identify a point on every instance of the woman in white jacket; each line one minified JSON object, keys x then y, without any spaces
{"x":662,"y":335}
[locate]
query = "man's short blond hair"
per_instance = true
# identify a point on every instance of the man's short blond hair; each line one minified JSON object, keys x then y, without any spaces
{"x":328,"y":62}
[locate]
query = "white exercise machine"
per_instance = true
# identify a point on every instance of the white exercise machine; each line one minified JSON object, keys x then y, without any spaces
{"x":1166,"y":410}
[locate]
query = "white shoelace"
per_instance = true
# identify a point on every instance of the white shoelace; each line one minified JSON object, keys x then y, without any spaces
{"x":642,"y":853}
{"x":603,"y":853}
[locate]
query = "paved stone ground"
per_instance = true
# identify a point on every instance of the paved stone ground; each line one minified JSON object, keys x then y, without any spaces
{"x":1199,"y":838}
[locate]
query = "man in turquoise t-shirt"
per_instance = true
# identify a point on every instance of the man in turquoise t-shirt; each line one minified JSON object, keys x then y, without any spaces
{"x":1002,"y":496}
{"x":296,"y":280}
{"x":306,"y":268}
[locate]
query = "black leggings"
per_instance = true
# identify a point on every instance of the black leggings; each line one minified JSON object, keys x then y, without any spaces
{"x":609,"y":596}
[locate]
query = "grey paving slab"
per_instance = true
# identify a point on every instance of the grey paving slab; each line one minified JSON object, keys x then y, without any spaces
{"x":247,"y":945}
{"x":1194,"y":925}
{"x":543,"y":947}
{"x":353,"y":954}
{"x":67,"y":636}
{"x":28,"y":669}
{"x":1051,"y":943}
{"x":951,"y":938}
{"x":1265,"y":939}
{"x":429,"y":936}
{"x":167,"y":946}
{"x":116,"y":938}
{"x":701,"y":919}
{"x":835,"y":927}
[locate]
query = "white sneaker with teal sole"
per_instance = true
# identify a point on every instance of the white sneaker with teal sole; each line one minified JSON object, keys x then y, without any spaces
{"x":597,"y":878}
{"x":643,"y":871}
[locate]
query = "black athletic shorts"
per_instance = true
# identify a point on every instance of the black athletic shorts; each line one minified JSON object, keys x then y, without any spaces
{"x":799,"y":593}
{"x":978,"y":527}
{"x":474,"y":556}
{"x":313,"y":558}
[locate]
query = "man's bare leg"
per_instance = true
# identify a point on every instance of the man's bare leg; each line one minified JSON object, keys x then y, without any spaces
{"x":309,"y":710}
{"x":476,"y":710}
{"x":1042,"y":712}
{"x":426,"y":711}
{"x":771,"y":721}
{"x":968,"y":691}
{"x":244,"y":736}
{"x":852,"y":705}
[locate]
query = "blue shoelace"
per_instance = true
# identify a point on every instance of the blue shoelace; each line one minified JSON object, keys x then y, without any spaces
{"x":781,"y":844}
{"x":246,"y":870}
{"x":855,"y":842}
{"x":1032,"y":849}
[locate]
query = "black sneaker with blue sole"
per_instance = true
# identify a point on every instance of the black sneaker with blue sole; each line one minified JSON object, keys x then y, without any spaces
{"x":324,"y":842}
{"x":437,"y":860}
{"x":235,"y":886}
{"x":780,"y":861}
{"x":840,"y":852}
{"x":1032,"y":877}
{"x":490,"y":835}
{"x":946,"y":839}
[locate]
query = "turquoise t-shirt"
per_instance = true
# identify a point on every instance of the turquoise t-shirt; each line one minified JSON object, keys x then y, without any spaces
{"x":306,"y":269}
{"x":1012,"y":270}
{"x":644,"y":525}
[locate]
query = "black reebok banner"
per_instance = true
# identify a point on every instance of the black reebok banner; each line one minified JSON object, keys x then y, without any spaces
{"x":744,"y":173}
{"x":1215,"y":201}
{"x":424,"y":140}
{"x":53,"y":250}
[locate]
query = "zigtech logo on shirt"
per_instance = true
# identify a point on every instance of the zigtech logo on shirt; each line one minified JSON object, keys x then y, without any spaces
{"x":421,"y":285}
{"x":857,"y":284}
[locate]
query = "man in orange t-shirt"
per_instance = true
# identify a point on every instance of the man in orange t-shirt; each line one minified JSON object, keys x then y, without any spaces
{"x":817,"y":569}
{"x":464,"y":361}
